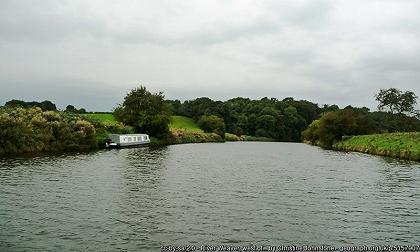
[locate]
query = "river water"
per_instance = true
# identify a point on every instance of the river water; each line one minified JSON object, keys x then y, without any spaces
{"x":207,"y":194}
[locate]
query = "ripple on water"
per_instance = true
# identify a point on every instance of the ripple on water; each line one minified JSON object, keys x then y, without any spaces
{"x":204,"y":194}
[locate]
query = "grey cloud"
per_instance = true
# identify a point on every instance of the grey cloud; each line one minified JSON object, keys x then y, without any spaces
{"x":312,"y":15}
{"x":42,"y":22}
{"x":326,"y":51}
{"x":35,"y":21}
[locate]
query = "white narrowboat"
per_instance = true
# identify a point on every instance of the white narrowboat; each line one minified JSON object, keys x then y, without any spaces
{"x":127,"y":140}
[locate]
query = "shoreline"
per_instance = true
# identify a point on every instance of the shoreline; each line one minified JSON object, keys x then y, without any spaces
{"x":405,"y":146}
{"x":398,"y":145}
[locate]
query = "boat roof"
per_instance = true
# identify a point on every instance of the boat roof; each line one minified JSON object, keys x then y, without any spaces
{"x":129,"y":135}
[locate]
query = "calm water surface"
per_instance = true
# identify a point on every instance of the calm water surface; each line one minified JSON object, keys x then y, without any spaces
{"x":201,"y":194}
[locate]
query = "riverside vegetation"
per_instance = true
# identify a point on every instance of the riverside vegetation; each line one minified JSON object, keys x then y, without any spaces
{"x":34,"y":130}
{"x":38,"y":126}
{"x":396,"y":145}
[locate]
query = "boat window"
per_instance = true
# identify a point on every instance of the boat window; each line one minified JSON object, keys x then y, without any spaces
{"x":129,"y":139}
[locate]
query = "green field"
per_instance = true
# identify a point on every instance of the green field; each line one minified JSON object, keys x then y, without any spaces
{"x":182,"y":122}
{"x":397,"y":145}
{"x":177,"y":122}
{"x":102,"y":117}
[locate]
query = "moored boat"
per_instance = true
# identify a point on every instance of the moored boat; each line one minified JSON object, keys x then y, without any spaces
{"x":127,"y":140}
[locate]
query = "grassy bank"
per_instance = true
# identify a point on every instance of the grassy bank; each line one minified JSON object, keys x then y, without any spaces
{"x":396,"y":145}
{"x":181,"y":136}
{"x":185,"y":130}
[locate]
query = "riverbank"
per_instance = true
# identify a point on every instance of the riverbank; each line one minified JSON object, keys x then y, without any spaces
{"x":31,"y":130}
{"x":186,"y":130}
{"x":234,"y":138}
{"x":396,"y":145}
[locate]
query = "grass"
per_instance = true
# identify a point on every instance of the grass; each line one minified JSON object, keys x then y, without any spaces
{"x":186,"y":130}
{"x":398,"y":145}
{"x":184,"y":123}
{"x":177,"y":122}
{"x":102,"y":117}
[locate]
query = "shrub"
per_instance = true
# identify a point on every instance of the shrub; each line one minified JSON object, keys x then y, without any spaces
{"x":32,"y":130}
{"x":232,"y":137}
{"x":212,"y":124}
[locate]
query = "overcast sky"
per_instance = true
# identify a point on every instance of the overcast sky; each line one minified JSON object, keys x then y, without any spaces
{"x":90,"y":53}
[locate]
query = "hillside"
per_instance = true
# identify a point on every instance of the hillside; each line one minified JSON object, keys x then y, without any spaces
{"x":185,"y":123}
{"x":102,"y":117}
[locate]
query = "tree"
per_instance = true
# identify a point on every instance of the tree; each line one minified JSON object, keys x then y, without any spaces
{"x":147,"y":112}
{"x":70,"y":109}
{"x":213,"y":124}
{"x":45,"y":105}
{"x":15,"y":103}
{"x":336,"y":124}
{"x":395,"y":101}
{"x":265,"y":126}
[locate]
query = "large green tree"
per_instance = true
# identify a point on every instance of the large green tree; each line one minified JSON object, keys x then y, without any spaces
{"x":396,"y":102}
{"x":147,"y":112}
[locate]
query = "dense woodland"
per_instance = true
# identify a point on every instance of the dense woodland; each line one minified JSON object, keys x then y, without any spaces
{"x":298,"y":120}
{"x":282,"y":120}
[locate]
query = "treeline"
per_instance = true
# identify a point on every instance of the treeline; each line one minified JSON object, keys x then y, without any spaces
{"x":282,"y":120}
{"x":397,"y":114}
{"x":38,"y":126}
{"x":44,"y":105}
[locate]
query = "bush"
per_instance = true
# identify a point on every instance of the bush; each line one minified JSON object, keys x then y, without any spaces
{"x":212,"y":124}
{"x":311,"y":134}
{"x":232,"y":137}
{"x":180,"y":136}
{"x":32,"y":130}
{"x":104,"y":128}
{"x":334,"y":125}
{"x":256,"y":139}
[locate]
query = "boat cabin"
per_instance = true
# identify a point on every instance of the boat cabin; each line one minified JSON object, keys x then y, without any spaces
{"x":127,"y":140}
